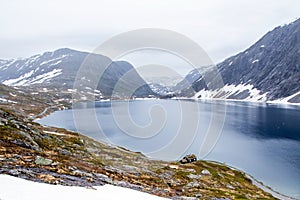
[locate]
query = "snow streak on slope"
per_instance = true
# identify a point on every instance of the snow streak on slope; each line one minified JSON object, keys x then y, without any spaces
{"x":28,"y":78}
{"x":240,"y":92}
{"x":14,"y":82}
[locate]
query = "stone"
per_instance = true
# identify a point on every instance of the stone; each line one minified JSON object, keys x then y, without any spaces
{"x":194,"y":176}
{"x":188,"y":159}
{"x":205,"y":172}
{"x":43,"y":161}
{"x":193,"y":184}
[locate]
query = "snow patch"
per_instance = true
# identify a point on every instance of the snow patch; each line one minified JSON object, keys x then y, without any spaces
{"x":228,"y":90}
{"x":52,"y":60}
{"x":54,"y":133}
{"x":286,"y":99}
{"x":15,"y":82}
{"x":6,"y":100}
{"x":43,"y":77}
{"x":12,"y":188}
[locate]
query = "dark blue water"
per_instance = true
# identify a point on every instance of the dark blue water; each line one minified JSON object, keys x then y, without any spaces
{"x":261,"y":139}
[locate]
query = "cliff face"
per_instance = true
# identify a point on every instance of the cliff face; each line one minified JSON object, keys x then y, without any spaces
{"x":271,"y":65}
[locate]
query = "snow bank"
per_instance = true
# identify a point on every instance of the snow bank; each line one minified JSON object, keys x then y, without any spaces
{"x":12,"y":188}
{"x":228,"y":90}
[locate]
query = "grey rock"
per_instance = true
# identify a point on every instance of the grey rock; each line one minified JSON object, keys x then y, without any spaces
{"x":14,"y":172}
{"x":205,"y":172}
{"x":230,"y":186}
{"x":82,"y":173}
{"x":193,"y":184}
{"x":194,"y":176}
{"x":43,"y":161}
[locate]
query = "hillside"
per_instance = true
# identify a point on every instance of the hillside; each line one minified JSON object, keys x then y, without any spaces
{"x":268,"y":70}
{"x":58,"y":69}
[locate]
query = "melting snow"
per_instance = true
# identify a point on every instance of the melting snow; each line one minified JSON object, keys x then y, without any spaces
{"x":27,"y":78}
{"x":54,"y":133}
{"x":43,"y":77}
{"x":6,"y":100}
{"x":55,"y":59}
{"x":12,"y":188}
{"x":228,"y":90}
{"x":286,"y":99}
{"x":56,"y":63}
{"x":17,"y":80}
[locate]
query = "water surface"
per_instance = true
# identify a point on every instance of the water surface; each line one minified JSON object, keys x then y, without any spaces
{"x":260,"y":139}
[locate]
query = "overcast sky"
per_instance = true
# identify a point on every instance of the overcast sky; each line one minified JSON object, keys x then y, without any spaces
{"x":221,"y":27}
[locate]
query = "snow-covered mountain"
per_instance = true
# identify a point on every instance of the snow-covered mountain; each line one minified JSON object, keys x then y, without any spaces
{"x":267,"y":71}
{"x":58,"y":70}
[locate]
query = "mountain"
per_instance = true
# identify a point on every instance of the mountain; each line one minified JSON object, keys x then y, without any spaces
{"x":268,"y":70}
{"x":58,"y":69}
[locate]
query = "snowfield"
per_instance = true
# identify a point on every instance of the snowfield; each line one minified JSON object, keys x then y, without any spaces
{"x":12,"y":188}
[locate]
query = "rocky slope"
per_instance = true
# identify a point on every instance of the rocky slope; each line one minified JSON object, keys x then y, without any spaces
{"x":58,"y":69}
{"x":57,"y":156}
{"x":268,"y":70}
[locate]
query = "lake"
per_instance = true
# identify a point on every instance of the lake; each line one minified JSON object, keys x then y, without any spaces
{"x":258,"y":138}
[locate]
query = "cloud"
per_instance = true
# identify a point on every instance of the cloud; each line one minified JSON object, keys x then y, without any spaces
{"x":221,"y":27}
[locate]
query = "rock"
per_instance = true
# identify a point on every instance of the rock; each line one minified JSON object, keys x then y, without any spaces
{"x":194,"y":176}
{"x":14,"y":172}
{"x":104,"y":178}
{"x":230,"y":186}
{"x":55,"y":163}
{"x":191,"y":170}
{"x":193,"y":184}
{"x":43,"y":161}
{"x":64,"y":152}
{"x":205,"y":172}
{"x":82,"y":173}
{"x":173,"y":166}
{"x":188,"y":159}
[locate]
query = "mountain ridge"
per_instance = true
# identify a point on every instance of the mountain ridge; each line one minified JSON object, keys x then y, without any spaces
{"x":266,"y":71}
{"x":58,"y":69}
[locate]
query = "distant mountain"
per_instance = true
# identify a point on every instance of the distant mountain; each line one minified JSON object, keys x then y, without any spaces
{"x":58,"y":70}
{"x":268,"y":70}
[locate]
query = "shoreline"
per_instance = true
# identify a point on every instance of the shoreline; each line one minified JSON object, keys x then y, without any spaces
{"x":257,"y":183}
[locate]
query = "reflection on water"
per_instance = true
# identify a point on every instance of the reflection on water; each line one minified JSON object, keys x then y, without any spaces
{"x":261,"y":139}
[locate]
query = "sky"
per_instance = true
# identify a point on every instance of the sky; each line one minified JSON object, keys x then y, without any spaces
{"x":222,"y":28}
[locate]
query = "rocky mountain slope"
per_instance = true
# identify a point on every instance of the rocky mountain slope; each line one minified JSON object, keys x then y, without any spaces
{"x":58,"y":70}
{"x":268,"y":70}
